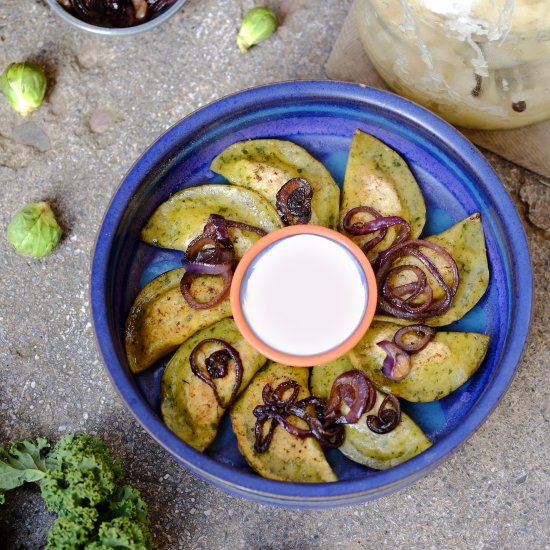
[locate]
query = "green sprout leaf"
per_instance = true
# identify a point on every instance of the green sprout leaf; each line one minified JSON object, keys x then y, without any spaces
{"x":23,"y":461}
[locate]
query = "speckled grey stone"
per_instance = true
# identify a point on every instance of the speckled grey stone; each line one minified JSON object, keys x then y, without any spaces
{"x":536,"y":195}
{"x":29,"y":133}
{"x":53,"y":381}
{"x":100,"y":121}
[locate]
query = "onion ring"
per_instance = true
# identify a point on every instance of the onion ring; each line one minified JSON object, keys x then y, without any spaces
{"x":397,"y":363}
{"x":217,"y":364}
{"x":211,"y":253}
{"x":293,"y":201}
{"x":379,"y":224}
{"x":424,"y":336}
{"x":390,"y":299}
{"x":387,"y":419}
{"x":210,"y":261}
{"x":354,"y":390}
{"x":185,"y":288}
{"x":277,"y":408}
{"x":246,"y":227}
{"x":216,"y":229}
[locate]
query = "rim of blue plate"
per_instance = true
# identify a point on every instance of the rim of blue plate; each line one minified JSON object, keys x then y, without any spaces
{"x":115,"y":31}
{"x":318,"y":495}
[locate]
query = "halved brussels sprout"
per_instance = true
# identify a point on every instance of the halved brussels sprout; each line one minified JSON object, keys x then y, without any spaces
{"x":265,"y":165}
{"x":160,"y":319}
{"x":180,"y":219}
{"x":288,"y":458}
{"x":189,"y":406}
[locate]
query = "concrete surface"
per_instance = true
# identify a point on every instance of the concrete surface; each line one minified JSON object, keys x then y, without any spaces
{"x":109,"y":100}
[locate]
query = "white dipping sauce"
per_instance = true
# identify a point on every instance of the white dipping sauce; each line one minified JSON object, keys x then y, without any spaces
{"x":304,"y":295}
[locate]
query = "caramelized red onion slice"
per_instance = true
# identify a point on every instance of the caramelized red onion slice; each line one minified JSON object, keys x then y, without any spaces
{"x":399,"y":301}
{"x":187,"y":282}
{"x":216,"y":365}
{"x":211,"y":253}
{"x":261,"y":441}
{"x":210,"y":261}
{"x":106,"y":12}
{"x":360,"y":227}
{"x":422,"y":335}
{"x":216,"y":228}
{"x":354,"y":390}
{"x":246,"y":227}
{"x":293,"y":201}
{"x":388,"y":418}
{"x":207,"y":255}
{"x":274,"y":410}
{"x":277,"y":396}
{"x":199,"y":243}
{"x":277,"y":408}
{"x":397,"y":363}
{"x":356,"y":228}
{"x":413,"y":290}
{"x":327,"y":433}
{"x":379,"y":225}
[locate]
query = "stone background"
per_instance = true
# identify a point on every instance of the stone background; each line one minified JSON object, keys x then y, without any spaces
{"x":108,"y":100}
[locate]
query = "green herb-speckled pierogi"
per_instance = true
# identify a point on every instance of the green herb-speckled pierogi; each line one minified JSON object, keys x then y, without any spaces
{"x":265,"y":165}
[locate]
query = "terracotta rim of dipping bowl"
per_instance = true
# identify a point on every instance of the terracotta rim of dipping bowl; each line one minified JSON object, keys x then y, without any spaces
{"x":303,"y":360}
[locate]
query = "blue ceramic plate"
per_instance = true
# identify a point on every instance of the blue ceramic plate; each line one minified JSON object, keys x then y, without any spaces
{"x":321,"y":116}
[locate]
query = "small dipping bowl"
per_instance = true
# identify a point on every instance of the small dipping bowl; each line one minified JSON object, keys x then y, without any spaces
{"x":149,"y":24}
{"x":303,"y":295}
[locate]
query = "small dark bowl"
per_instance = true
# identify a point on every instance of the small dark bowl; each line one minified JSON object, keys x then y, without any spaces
{"x":155,"y":21}
{"x":321,"y":116}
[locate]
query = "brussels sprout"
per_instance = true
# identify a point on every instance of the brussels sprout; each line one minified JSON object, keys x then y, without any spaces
{"x":257,"y":25}
{"x":24,"y":85}
{"x":33,"y":230}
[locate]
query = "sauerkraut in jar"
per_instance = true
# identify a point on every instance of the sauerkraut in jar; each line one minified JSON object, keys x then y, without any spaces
{"x":477,"y":63}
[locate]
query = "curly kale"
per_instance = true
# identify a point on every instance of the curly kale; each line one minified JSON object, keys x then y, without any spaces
{"x":84,"y":475}
{"x":123,"y":524}
{"x":122,"y":534}
{"x":127,"y":503}
{"x":80,"y":481}
{"x":68,"y":534}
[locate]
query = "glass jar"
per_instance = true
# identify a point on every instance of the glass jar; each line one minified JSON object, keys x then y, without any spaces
{"x":477,"y":63}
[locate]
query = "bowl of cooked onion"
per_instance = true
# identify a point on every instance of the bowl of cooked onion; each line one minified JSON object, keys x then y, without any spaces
{"x":452,"y":270}
{"x":115,"y":18}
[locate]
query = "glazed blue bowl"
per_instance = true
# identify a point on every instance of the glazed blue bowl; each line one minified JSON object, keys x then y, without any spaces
{"x":321,"y":116}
